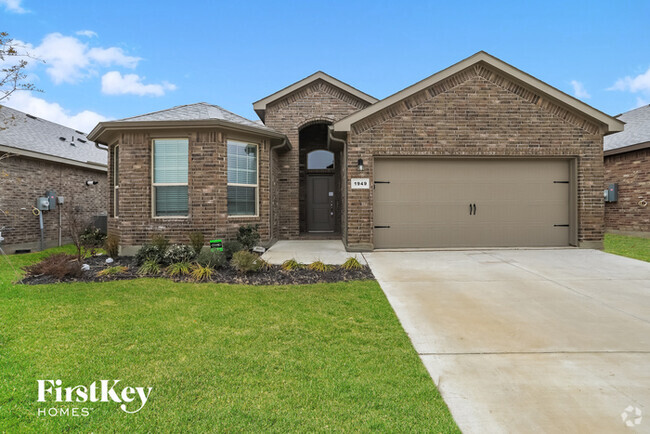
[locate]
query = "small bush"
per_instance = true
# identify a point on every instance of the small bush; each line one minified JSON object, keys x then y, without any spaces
{"x":149,"y":252}
{"x":248,"y":235}
{"x":246,"y":262}
{"x":291,"y":264}
{"x":196,"y":241}
{"x":211,"y":259}
{"x":149,"y":267}
{"x":352,"y":264}
{"x":112,"y":245}
{"x":232,"y":247}
{"x":319,"y":266}
{"x":179,"y":269}
{"x":264,"y":266}
{"x":112,"y":271}
{"x":160,"y":242}
{"x":178,"y":253}
{"x":92,"y":237}
{"x":201,"y":273}
{"x":59,"y":265}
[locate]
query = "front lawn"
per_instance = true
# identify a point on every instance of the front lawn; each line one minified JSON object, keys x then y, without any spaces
{"x":632,"y":247}
{"x":323,"y":357}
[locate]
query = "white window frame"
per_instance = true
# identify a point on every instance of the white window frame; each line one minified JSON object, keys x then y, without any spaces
{"x":116,"y":185}
{"x":168,"y":184}
{"x":256,"y":185}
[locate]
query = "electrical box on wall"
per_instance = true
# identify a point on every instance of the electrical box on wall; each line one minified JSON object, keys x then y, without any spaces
{"x":51,"y":197}
{"x":42,"y":204}
{"x":611,"y":194}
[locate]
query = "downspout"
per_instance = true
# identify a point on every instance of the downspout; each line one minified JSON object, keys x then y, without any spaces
{"x":99,"y":146}
{"x":330,"y":137}
{"x":344,"y":187}
{"x":272,"y":214}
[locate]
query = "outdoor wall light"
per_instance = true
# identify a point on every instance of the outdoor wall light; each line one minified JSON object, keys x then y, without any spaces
{"x":90,"y":182}
{"x":360,"y":165}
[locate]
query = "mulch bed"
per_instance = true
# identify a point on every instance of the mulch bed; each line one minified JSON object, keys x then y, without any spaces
{"x":274,"y":276}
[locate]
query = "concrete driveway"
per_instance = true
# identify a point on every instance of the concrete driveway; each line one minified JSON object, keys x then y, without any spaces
{"x":528,"y":340}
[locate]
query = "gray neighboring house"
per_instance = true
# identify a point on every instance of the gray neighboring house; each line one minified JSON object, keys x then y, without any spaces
{"x":627,"y":163}
{"x":38,"y":156}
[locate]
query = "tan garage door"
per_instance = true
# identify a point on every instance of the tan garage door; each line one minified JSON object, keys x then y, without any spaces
{"x":471,"y":203}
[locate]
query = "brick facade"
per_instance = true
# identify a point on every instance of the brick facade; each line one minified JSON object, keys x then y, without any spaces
{"x":478,"y":113}
{"x":317,"y":102}
{"x":631,"y":170}
{"x":23,"y":179}
{"x":207,"y":187}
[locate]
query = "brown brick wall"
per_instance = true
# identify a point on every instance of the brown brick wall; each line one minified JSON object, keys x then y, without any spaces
{"x":316,"y":102}
{"x":631,"y":171}
{"x":207,"y":183}
{"x":476,"y":112}
{"x":22,"y":180}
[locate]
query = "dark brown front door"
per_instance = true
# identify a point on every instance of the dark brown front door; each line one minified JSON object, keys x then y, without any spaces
{"x":320,"y":203}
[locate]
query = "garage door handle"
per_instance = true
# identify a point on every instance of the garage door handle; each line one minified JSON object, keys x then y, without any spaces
{"x":474,"y":209}
{"x":470,"y":209}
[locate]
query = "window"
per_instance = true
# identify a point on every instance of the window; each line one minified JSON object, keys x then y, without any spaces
{"x":116,"y":180}
{"x":242,"y":179}
{"x":170,"y":164}
{"x":320,"y":160}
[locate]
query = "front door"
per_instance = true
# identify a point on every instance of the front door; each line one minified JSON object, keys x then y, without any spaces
{"x":320,"y":203}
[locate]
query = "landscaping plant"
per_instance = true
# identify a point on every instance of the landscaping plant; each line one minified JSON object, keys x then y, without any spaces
{"x":59,"y":265}
{"x":291,"y":264}
{"x":248,"y":236}
{"x":264,"y":266}
{"x":319,"y":266}
{"x":352,"y":264}
{"x":246,"y":262}
{"x":93,"y":237}
{"x":111,"y":271}
{"x":211,"y":259}
{"x":112,"y":245}
{"x":232,"y":247}
{"x":149,"y":252}
{"x":179,"y":253}
{"x":179,"y":269}
{"x":149,"y":267}
{"x":201,"y":273}
{"x":196,"y":241}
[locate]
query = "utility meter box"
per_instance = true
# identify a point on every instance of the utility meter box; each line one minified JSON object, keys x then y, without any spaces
{"x":42,"y":204}
{"x":51,"y":197}
{"x":216,"y":245}
{"x":612,"y":193}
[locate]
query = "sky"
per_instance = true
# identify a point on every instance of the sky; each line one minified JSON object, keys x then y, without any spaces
{"x":113,"y":59}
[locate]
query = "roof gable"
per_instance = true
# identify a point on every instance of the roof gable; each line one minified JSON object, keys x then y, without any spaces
{"x":260,"y":106}
{"x":558,"y":97}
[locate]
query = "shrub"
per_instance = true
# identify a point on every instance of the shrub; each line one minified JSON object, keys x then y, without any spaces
{"x":178,"y":253}
{"x":111,"y":271}
{"x":319,"y":266}
{"x":179,"y":269}
{"x":248,"y":235}
{"x":149,"y":252}
{"x":246,"y":262}
{"x":264,"y":266}
{"x":112,"y":245}
{"x":160,"y":242}
{"x":59,"y":265}
{"x":149,"y":267}
{"x":92,"y":237}
{"x":291,"y":264}
{"x":201,"y":273}
{"x":352,"y":264}
{"x":196,"y":241}
{"x":232,"y":247}
{"x":211,"y":259}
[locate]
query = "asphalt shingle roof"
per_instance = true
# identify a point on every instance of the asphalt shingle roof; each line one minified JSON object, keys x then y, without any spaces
{"x":637,"y":129}
{"x":22,"y":131}
{"x":197,"y":112}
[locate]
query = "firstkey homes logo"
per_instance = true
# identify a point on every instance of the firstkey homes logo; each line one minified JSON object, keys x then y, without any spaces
{"x":132,"y":399}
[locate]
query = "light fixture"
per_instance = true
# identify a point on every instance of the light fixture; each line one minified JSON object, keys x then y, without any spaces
{"x":90,"y":182}
{"x":360,"y":165}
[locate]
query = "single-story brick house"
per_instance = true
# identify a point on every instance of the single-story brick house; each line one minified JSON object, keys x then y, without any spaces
{"x":627,"y":163}
{"x":45,"y":156}
{"x":480,"y":154}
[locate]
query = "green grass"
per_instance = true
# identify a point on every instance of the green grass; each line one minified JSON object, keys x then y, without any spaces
{"x":632,"y":247}
{"x":324,"y":357}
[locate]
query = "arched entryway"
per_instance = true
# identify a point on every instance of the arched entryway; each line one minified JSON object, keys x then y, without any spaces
{"x":320,"y":181}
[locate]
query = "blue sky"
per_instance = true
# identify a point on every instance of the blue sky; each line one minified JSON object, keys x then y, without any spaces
{"x":113,"y":59}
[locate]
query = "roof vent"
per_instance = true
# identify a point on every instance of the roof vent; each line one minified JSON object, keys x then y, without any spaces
{"x":78,"y":132}
{"x":30,"y":116}
{"x":62,"y":139}
{"x":81,"y":140}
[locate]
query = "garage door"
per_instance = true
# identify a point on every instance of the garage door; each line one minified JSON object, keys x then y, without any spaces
{"x":471,"y":203}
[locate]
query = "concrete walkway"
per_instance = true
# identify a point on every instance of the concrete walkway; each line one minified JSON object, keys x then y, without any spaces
{"x":307,"y":251}
{"x":528,"y":340}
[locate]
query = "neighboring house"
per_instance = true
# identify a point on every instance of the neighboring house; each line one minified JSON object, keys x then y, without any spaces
{"x":627,"y":163}
{"x":38,"y":156}
{"x":477,"y":155}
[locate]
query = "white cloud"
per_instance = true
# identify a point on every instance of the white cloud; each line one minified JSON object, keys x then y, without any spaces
{"x":640,"y":83}
{"x":579,"y":90}
{"x":26,"y":102}
{"x":68,"y":60}
{"x":13,"y":6}
{"x":114,"y":83}
{"x":86,"y":33}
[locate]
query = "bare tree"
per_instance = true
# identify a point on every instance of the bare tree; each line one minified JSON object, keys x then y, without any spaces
{"x":14,"y":60}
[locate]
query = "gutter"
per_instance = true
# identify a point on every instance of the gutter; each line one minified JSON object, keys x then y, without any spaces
{"x":629,"y":148}
{"x":99,"y":146}
{"x":279,"y":146}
